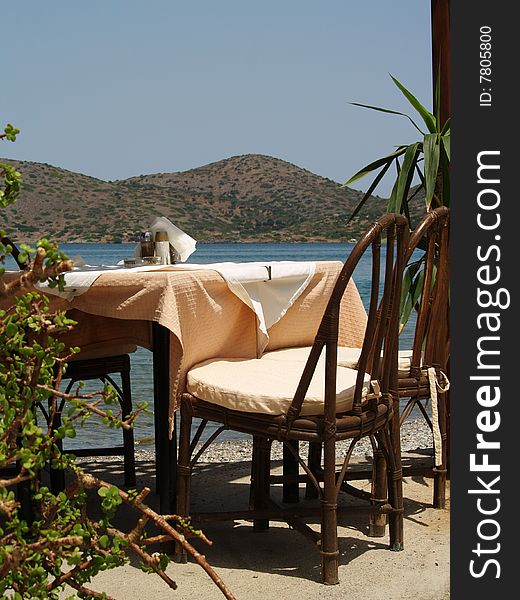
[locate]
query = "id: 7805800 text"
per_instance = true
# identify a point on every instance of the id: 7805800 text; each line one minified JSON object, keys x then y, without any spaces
{"x":485,"y":65}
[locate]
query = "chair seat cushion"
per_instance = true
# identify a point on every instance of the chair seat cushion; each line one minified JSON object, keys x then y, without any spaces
{"x":350,"y":357}
{"x":347,"y":357}
{"x":267,"y":385}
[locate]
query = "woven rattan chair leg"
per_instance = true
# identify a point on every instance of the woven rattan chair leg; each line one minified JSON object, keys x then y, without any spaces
{"x":396,"y":522}
{"x":395,"y":485}
{"x":377,"y":522}
{"x":254,"y":470}
{"x":439,"y":490}
{"x":260,"y":471}
{"x":183,"y":476}
{"x":440,"y":472}
{"x":290,"y":469}
{"x":128,"y":434}
{"x":329,"y":522}
{"x":314,"y":462}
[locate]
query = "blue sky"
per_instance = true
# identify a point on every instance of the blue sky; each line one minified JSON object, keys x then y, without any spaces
{"x":119,"y":88}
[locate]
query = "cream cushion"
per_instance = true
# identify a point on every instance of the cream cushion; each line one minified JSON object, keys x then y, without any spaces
{"x":267,"y":385}
{"x":350,"y":359}
{"x":347,"y":357}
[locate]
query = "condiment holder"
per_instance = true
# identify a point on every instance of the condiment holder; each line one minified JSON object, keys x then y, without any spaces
{"x":151,"y":260}
{"x":131,"y":262}
{"x":162,"y":247}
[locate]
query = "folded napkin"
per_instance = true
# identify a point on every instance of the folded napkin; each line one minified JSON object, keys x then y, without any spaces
{"x":183,"y":245}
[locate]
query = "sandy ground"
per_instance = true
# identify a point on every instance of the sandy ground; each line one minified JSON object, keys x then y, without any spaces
{"x":281,"y":563}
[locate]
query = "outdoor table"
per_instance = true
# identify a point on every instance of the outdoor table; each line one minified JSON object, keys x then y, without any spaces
{"x":188,"y":316}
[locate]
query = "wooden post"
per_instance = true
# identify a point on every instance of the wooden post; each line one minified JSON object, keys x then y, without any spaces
{"x":441,"y":55}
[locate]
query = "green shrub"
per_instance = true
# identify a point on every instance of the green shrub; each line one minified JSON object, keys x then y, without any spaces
{"x":48,"y":540}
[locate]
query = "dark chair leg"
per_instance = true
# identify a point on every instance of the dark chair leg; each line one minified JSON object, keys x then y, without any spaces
{"x":329,"y":525}
{"x":57,"y":476}
{"x":260,"y":472}
{"x":395,"y":485}
{"x":290,"y":470}
{"x":440,"y":472}
{"x":128,"y":434}
{"x":102,"y":370}
{"x":23,"y":491}
{"x":439,"y":488}
{"x":314,"y":463}
{"x":183,"y":474}
{"x":377,"y":522}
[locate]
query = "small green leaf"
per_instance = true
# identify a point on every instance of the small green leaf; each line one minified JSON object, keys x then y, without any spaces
{"x":413,"y":295}
{"x":446,"y":127}
{"x":437,"y":92}
{"x":446,"y":144}
{"x":431,"y":149}
{"x":392,"y":112}
{"x":11,"y":329}
{"x":381,"y":162}
{"x":426,"y":115}
{"x":368,"y":193}
{"x":402,"y":187}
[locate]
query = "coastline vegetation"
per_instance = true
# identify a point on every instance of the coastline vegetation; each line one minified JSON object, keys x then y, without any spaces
{"x":250,"y":198}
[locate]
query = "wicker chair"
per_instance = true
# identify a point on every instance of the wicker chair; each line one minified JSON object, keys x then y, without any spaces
{"x":430,"y":350}
{"x":278,"y":398}
{"x":428,"y":363}
{"x":99,"y":364}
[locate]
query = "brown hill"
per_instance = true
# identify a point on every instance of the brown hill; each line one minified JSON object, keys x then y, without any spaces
{"x":244,"y":198}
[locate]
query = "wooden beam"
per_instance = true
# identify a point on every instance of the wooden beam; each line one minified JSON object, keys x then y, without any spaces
{"x":441,"y":55}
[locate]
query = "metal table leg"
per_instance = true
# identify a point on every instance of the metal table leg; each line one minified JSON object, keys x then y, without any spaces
{"x":165,"y":449}
{"x":290,"y":468}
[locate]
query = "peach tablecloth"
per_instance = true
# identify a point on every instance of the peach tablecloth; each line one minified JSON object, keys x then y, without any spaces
{"x":204,"y":317}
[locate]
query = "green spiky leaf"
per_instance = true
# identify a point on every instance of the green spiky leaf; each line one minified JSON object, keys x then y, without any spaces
{"x":431,"y":150}
{"x":429,"y":120}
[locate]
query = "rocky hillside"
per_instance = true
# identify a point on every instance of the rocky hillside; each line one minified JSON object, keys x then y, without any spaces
{"x":244,"y":198}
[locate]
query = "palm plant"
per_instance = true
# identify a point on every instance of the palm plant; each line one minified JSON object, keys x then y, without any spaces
{"x":428,"y":157}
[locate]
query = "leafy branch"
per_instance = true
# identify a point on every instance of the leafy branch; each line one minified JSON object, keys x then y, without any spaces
{"x":12,"y":179}
{"x":52,"y":540}
{"x":428,"y":158}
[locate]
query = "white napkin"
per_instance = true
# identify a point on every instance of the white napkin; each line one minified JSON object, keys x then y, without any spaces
{"x":182,"y":244}
{"x":268,"y":288}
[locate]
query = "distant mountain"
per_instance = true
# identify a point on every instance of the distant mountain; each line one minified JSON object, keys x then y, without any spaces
{"x":245,"y":198}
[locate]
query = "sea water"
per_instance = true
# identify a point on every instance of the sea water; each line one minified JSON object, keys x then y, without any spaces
{"x":93,"y":433}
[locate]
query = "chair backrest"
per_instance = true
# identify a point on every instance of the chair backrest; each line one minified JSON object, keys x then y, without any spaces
{"x":431,"y":336}
{"x":15,"y":253}
{"x":379,"y":350}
